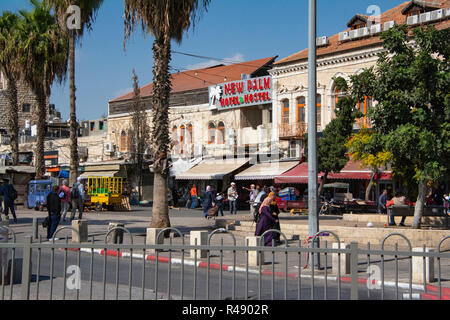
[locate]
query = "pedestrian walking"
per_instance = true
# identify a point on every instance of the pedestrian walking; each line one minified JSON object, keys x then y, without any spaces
{"x":233,"y":197}
{"x":77,"y":195}
{"x":187,"y":197}
{"x":220,"y":198}
{"x":266,"y":221}
{"x":382,"y":201}
{"x":64,"y":195}
{"x":253,"y":193}
{"x":275,"y":211}
{"x":1,"y":201}
{"x":208,"y":201}
{"x":54,"y":211}
{"x":9,"y":196}
{"x":194,"y":196}
{"x":262,"y":195}
{"x":446,"y":203}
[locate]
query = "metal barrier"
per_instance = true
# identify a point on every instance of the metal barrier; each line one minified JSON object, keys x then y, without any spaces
{"x":53,"y":259}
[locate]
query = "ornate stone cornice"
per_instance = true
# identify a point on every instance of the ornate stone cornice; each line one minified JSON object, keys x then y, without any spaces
{"x":303,"y":66}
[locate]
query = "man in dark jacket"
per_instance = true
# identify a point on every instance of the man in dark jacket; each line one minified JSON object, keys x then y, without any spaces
{"x":54,"y":211}
{"x":7,"y":190}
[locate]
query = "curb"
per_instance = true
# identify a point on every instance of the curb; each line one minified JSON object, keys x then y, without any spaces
{"x":227,"y":268}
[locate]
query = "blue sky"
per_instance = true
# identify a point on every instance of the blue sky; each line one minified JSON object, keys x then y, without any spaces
{"x":239,"y":30}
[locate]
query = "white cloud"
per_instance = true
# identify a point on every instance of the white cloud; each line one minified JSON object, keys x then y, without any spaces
{"x":237,"y":58}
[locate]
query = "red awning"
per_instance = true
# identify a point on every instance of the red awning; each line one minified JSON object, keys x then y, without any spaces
{"x":297,"y":175}
{"x":355,"y":171}
{"x":352,"y":171}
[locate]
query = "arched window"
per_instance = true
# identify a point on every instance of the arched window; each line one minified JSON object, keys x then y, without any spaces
{"x":285,"y":112}
{"x":301,"y":114}
{"x":319,"y":110}
{"x":221,"y":133}
{"x":211,"y":133}
{"x":364,"y":107}
{"x":175,"y":138}
{"x":175,"y":134}
{"x":182,"y":135}
{"x":123,"y":142}
{"x":189,"y":134}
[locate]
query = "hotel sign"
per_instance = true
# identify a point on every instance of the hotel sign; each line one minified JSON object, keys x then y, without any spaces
{"x":242,"y":93}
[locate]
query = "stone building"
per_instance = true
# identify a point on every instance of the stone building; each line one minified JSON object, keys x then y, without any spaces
{"x":27,"y":106}
{"x":340,"y":55}
{"x":199,"y":129}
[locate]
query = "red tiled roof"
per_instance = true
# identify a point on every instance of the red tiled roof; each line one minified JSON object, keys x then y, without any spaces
{"x":336,"y":46}
{"x":203,"y":78}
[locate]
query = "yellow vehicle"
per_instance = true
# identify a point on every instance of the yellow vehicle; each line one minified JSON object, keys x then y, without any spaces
{"x":104,"y":192}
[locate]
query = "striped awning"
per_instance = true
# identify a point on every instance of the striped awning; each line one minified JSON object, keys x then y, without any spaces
{"x":213,"y":169}
{"x":102,"y":174}
{"x":266,"y":171}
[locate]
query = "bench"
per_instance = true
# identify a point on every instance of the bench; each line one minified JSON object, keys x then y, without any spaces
{"x":408,"y":211}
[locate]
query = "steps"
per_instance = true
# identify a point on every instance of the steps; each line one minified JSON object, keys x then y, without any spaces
{"x":347,"y":234}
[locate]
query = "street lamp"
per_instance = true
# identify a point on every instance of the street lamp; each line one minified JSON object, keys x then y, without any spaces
{"x":313,"y":216}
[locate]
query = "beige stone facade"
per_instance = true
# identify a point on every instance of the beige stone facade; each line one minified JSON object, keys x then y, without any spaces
{"x":291,"y":83}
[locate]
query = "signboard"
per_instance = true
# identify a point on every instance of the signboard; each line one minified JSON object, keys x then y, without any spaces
{"x":51,"y":158}
{"x":241,"y":93}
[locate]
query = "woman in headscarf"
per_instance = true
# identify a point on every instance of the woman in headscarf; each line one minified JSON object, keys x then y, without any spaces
{"x":267,"y":220}
{"x":207,"y":201}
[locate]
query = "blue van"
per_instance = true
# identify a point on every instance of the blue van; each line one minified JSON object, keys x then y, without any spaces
{"x":37,"y":194}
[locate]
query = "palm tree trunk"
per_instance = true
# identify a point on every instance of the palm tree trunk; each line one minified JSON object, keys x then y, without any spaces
{"x":41,"y":120}
{"x":160,"y":131}
{"x":420,"y":203}
{"x":13,"y":120}
{"x":369,"y":187}
{"x":73,"y":115}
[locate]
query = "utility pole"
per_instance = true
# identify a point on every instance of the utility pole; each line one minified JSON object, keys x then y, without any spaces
{"x":313,"y":216}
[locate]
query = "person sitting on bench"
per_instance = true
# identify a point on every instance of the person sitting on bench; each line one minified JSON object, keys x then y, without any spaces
{"x":398,"y":200}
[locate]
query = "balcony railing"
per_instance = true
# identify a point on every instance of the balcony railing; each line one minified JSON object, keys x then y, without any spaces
{"x":293,"y":130}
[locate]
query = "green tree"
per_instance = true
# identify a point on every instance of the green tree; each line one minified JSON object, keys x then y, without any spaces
{"x":10,"y":66}
{"x":88,"y":13}
{"x":165,"y":21}
{"x":365,"y":146}
{"x":411,"y":84}
{"x":43,"y":55}
{"x":331,"y":149}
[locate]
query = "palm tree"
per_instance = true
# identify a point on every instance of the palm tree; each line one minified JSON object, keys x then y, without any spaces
{"x":165,"y":21}
{"x":43,"y":52}
{"x":9,"y":67}
{"x":88,"y":10}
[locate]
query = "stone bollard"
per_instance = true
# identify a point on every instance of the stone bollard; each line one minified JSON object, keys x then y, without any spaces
{"x":4,"y":256}
{"x":255,"y":258}
{"x":152,"y":234}
{"x":202,"y":240}
{"x":116,"y":236}
{"x":345,"y":260}
{"x":417,"y":267}
{"x":82,"y":227}
{"x":35,"y":228}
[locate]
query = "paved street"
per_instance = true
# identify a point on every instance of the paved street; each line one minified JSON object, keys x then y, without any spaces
{"x":186,"y":220}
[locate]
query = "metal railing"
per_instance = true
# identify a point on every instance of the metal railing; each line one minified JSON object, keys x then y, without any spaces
{"x":139,"y":269}
{"x":289,"y":130}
